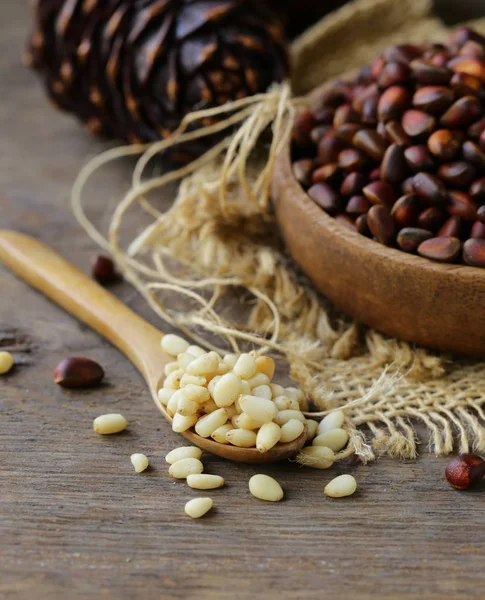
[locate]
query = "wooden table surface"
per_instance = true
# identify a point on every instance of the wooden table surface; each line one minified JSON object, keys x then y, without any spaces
{"x":76,"y":522}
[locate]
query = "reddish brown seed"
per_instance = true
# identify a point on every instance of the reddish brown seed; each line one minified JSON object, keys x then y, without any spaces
{"x":357,"y":205}
{"x":464,"y":34}
{"x":475,"y":130}
{"x":302,"y":170}
{"x":444,"y":144}
{"x":371,"y":91}
{"x":396,"y":134}
{"x":474,"y":252}
{"x":379,"y":192}
{"x":451,"y":228}
{"x":362,"y":227}
{"x":324,"y":116}
{"x":347,"y":131}
{"x":371,"y":143}
{"x":441,"y":59}
{"x":482,"y":141}
{"x":461,"y":205}
{"x":418,"y":158}
{"x":430,"y":188}
{"x":319,"y":132}
{"x":406,"y":211}
{"x":409,"y":238}
{"x":305,"y":121}
{"x":463,"y":112}
{"x":353,"y":184}
{"x":441,"y":249}
{"x":432,"y":218}
{"x":345,"y":114}
{"x":351,"y":159}
{"x":393,"y":73}
{"x":457,"y":174}
{"x":381,"y":224}
{"x":346,"y":222}
{"x":323,"y":195}
{"x":329,"y":148}
{"x":375,"y":174}
{"x":481,"y":214}
{"x":478,"y":230}
{"x":78,"y":372}
{"x":474,"y":154}
{"x":381,"y":129}
{"x":477,"y":191}
{"x":470,"y":66}
{"x":407,"y":186}
{"x":417,"y":123}
{"x":334,"y":96}
{"x":466,"y":85}
{"x":427,"y":73}
{"x":433,"y":99}
{"x":404,"y":53}
{"x":472,"y":48}
{"x":464,"y":471}
{"x":103,"y":270}
{"x":369,"y":110}
{"x":394,"y":167}
{"x":393,"y":102}
{"x":328,"y":173}
{"x":376,"y":67}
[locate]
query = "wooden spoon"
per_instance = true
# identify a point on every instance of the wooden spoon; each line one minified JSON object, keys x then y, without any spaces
{"x":135,"y":338}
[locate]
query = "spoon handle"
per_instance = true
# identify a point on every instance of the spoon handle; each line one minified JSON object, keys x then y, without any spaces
{"x":60,"y":281}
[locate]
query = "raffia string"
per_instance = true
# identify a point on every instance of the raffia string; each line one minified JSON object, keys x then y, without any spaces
{"x":219,"y":238}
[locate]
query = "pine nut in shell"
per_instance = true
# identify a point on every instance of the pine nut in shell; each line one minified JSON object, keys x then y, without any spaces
{"x":316,"y":457}
{"x":183,"y":452}
{"x":268,"y":436}
{"x":198,"y":507}
{"x":291,"y":430}
{"x":110,"y":423}
{"x":333,"y":420}
{"x":336,"y":439}
{"x":206,"y":426}
{"x":341,"y":486}
{"x":205,"y":482}
{"x":181,"y":469}
{"x":139,"y":462}
{"x":6,"y":362}
{"x":265,"y":488}
{"x":174,"y":344}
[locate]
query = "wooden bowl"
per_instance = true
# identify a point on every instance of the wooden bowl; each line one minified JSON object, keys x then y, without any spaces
{"x":405,"y":296}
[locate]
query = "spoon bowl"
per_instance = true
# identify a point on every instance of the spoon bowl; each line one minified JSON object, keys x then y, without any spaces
{"x":139,"y":341}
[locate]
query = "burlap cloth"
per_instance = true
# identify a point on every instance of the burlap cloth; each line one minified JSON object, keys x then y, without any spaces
{"x":218,"y":245}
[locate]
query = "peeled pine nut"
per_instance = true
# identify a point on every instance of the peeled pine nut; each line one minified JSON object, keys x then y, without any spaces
{"x":317,"y":457}
{"x":181,"y":423}
{"x":245,"y":389}
{"x":266,"y":488}
{"x":257,"y":380}
{"x":164,"y":395}
{"x":198,"y":507}
{"x":244,"y":421}
{"x":291,"y":430}
{"x":173,"y":403}
{"x":282,"y":402}
{"x":6,"y":362}
{"x":206,"y":426}
{"x":258,"y":408}
{"x":222,"y":369}
{"x":231,"y":411}
{"x":170,"y":368}
{"x":209,"y":407}
{"x":219,"y":435}
{"x":212,"y":384}
{"x":262,"y":391}
{"x":341,"y":486}
{"x":187,"y":407}
{"x":174,"y":344}
{"x":205,"y":482}
{"x":268,"y":436}
{"x":265,"y":364}
{"x":183,"y":452}
{"x":230,"y":360}
{"x":192,"y":380}
{"x":197,"y":393}
{"x":243,"y":438}
{"x":204,"y":365}
{"x":285,"y":415}
{"x":336,"y":439}
{"x":196,"y":351}
{"x":245,"y":367}
{"x":181,"y":469}
{"x":298,"y":396}
{"x":333,"y":420}
{"x":107,"y":424}
{"x":311,"y":429}
{"x":139,"y":461}
{"x":184,"y":360}
{"x":226,"y":390}
{"x":294,"y":405}
{"x":277,"y":390}
{"x":173,"y":380}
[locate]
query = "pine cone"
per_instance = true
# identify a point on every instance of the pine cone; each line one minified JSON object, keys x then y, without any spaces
{"x":131,"y":69}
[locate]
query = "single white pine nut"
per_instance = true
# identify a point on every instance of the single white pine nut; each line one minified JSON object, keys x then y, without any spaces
{"x":170,"y":368}
{"x":139,"y":461}
{"x":268,"y":436}
{"x":245,"y":389}
{"x":219,"y":435}
{"x":181,"y":423}
{"x":187,"y":407}
{"x":181,"y":469}
{"x":294,"y":405}
{"x":244,"y":421}
{"x":258,"y":408}
{"x":231,"y":411}
{"x":230,"y":360}
{"x":341,"y":486}
{"x":209,"y":407}
{"x":173,"y":403}
{"x":226,"y":390}
{"x":173,"y":380}
{"x":237,"y":404}
{"x":258,"y":379}
{"x":317,"y":457}
{"x":206,"y":426}
{"x":192,"y":380}
{"x":183,"y":452}
{"x":262,"y":391}
{"x":243,"y":438}
{"x":196,"y":351}
{"x":266,"y":488}
{"x":184,"y":360}
{"x":265,"y":364}
{"x":286,"y":415}
{"x":204,"y":365}
{"x":174,"y":344}
{"x":205,"y":482}
{"x":245,"y":367}
{"x":277,"y":390}
{"x":291,"y":430}
{"x":299,"y":397}
{"x":6,"y":362}
{"x":212,"y":384}
{"x":282,"y":402}
{"x":107,"y":424}
{"x":333,"y":420}
{"x":222,"y":369}
{"x":311,"y":429}
{"x":198,"y":507}
{"x":336,"y":439}
{"x":197,"y":393}
{"x":164,"y":395}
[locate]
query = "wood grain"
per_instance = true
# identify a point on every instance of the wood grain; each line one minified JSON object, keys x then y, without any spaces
{"x":76,"y":522}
